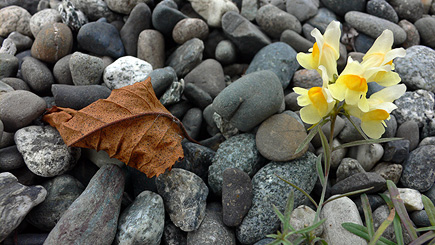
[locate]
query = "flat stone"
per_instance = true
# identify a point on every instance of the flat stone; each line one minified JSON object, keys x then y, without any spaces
{"x":302,"y":9}
{"x":21,"y":41}
{"x":15,"y":83}
{"x":360,"y":181}
{"x":78,"y":97}
{"x":341,"y":7}
{"x":126,"y":71}
{"x":415,"y":106}
{"x":138,"y":20}
{"x":197,"y":96}
{"x":8,"y":65}
{"x":16,"y":200}
{"x":53,"y":42}
{"x":296,"y":41}
{"x":274,"y":21}
{"x":320,"y":21}
{"x":209,"y":76}
{"x":86,"y":69}
{"x":186,"y":57}
{"x":419,"y":170}
{"x":37,"y":75}
{"x":151,"y":48}
{"x":410,"y":131}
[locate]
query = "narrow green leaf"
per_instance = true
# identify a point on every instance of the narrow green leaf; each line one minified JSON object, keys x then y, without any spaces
{"x":310,"y":228}
{"x":383,"y":227}
{"x":299,"y":189}
{"x":309,"y":137}
{"x":423,"y":238}
{"x":356,"y":126}
{"x":365,"y":142}
{"x":430,"y":209}
{"x":320,"y":170}
{"x":429,"y":228}
{"x":299,"y":240}
{"x":400,"y":209}
{"x":319,"y":239}
{"x":278,"y":213}
{"x":432,"y":242}
{"x":368,"y":215}
{"x":348,"y":194}
{"x":325,"y":146}
{"x":288,"y":210}
{"x":398,"y":229}
{"x":387,"y":200}
{"x":361,"y":231}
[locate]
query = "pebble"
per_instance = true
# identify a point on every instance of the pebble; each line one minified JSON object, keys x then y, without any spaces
{"x":411,"y":10}
{"x":274,"y":21}
{"x":261,"y":220}
{"x":302,"y":217}
{"x":192,"y":121}
{"x":62,"y":191}
{"x":19,"y":108}
{"x":16,"y":200}
{"x":341,"y":7}
{"x":85,"y":69}
{"x":151,"y":48}
{"x":301,"y":9}
{"x":415,"y":105}
{"x":414,"y":68}
{"x":97,"y":209}
{"x":14,"y":18}
{"x":367,"y":155}
{"x":37,"y":75}
{"x":425,"y":27}
{"x":8,"y":47}
{"x":21,"y":41}
{"x":172,"y":235}
{"x":409,"y":130}
{"x":363,"y":43}
{"x":262,"y":96}
{"x":95,"y":9}
{"x":420,"y":218}
{"x":71,"y":16}
{"x":236,"y":196}
{"x":418,"y":170}
{"x":186,"y":57}
{"x":61,"y":71}
{"x":296,"y":41}
{"x":379,"y":215}
{"x":238,"y":152}
{"x":278,"y":57}
{"x":248,"y":9}
{"x":320,"y":21}
{"x":10,"y":158}
{"x":248,"y":38}
{"x":125,"y":7}
{"x":197,"y":159}
{"x":162,"y":78}
{"x":101,"y":38}
{"x":126,"y":71}
{"x":53,"y":42}
{"x":44,"y":151}
{"x":184,"y":195}
{"x":212,"y":229}
{"x":336,"y":212}
{"x":412,"y":34}
{"x":143,"y":221}
{"x":279,"y":136}
{"x":8,"y":65}
{"x":226,"y":52}
{"x":197,"y":96}
{"x":396,"y":151}
{"x":360,"y":181}
{"x":348,"y":167}
{"x":411,"y":198}
{"x":138,"y":20}
{"x":373,"y":26}
{"x":173,"y":94}
{"x":189,"y":28}
{"x":167,"y":11}
{"x":208,"y":76}
{"x":382,"y":9}
{"x":213,"y":10}
{"x":42,"y":18}
{"x":78,"y":97}
{"x":307,"y":79}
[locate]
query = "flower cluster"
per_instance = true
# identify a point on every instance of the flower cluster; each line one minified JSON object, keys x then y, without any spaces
{"x":349,"y":89}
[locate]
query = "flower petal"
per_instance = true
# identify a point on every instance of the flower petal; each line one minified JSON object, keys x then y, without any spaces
{"x":310,"y":115}
{"x":306,"y":61}
{"x":373,"y":129}
{"x":389,"y":94}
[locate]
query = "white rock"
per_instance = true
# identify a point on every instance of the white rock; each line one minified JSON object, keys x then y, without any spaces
{"x":336,"y":155}
{"x":337,"y":212}
{"x":367,"y":155}
{"x":212,"y":10}
{"x":411,"y":198}
{"x":42,"y":18}
{"x":302,"y":217}
{"x":126,"y":71}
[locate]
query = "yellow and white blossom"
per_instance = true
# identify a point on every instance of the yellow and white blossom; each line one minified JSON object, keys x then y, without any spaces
{"x":325,"y":51}
{"x":380,"y":107}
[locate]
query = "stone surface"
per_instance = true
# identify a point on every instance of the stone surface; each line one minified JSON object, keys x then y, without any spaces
{"x":296,"y":41}
{"x":125,"y":7}
{"x":14,"y":18}
{"x":382,"y":9}
{"x":42,"y":18}
{"x":409,"y":130}
{"x":236,"y":196}
{"x":16,"y":200}
{"x":15,"y":83}
{"x":341,"y":7}
{"x":165,"y":16}
{"x":8,"y":47}
{"x":367,"y":155}
{"x":279,"y":136}
{"x":143,"y":221}
{"x":192,"y":121}
{"x":62,"y":191}
{"x":138,"y":20}
{"x":19,"y":108}
{"x":418,"y":170}
{"x":261,"y":220}
{"x":71,"y":16}
{"x":396,"y":151}
{"x":151,"y":48}
{"x":189,"y":28}
{"x":37,"y":75}
{"x":239,"y":152}
{"x":78,"y":97}
{"x":411,"y":198}
{"x":10,"y":158}
{"x":53,"y":42}
{"x":184,"y":195}
{"x":302,"y":217}
{"x":126,"y":71}
{"x":274,"y":21}
{"x":93,"y":216}
{"x":86,"y":69}
{"x":425,"y":27}
{"x":411,"y":10}
{"x":61,"y":71}
{"x":95,"y":9}
{"x":226,"y":52}
{"x":209,"y":76}
{"x":360,"y":181}
{"x":389,"y":171}
{"x":21,"y":41}
{"x":44,"y":151}
{"x":415,"y":105}
{"x":251,"y":99}
{"x":8,"y":65}
{"x":186,"y":57}
{"x":320,"y":21}
{"x":412,"y":34}
{"x":162,"y":78}
{"x":197,"y":159}
{"x":302,"y":9}
{"x":348,"y":167}
{"x":379,"y":215}
{"x":213,"y":10}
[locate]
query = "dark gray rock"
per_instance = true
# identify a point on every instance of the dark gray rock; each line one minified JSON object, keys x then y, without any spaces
{"x":360,"y":181}
{"x":391,"y":129}
{"x":363,"y":43}
{"x":19,"y":108}
{"x":409,"y":130}
{"x":226,"y":52}
{"x":197,"y":96}
{"x":261,"y":220}
{"x":278,"y":57}
{"x":419,"y":169}
{"x":37,"y":75}
{"x":411,"y":10}
{"x":32,"y":238}
{"x":251,"y":99}
{"x":420,"y":218}
{"x":426,"y":28}
{"x":16,"y":200}
{"x":173,"y":235}
{"x":62,"y":191}
{"x":296,"y":41}
{"x":396,"y":151}
{"x":375,"y":201}
{"x":274,"y":21}
{"x":301,"y":9}
{"x":184,"y":195}
{"x":389,"y":171}
{"x":209,"y":76}
{"x":412,"y":34}
{"x":380,"y":214}
{"x":186,"y":57}
{"x":93,"y":216}
{"x":10,"y":158}
{"x":347,"y":168}
{"x":341,"y":7}
{"x":78,"y":97}
{"x":44,"y":151}
{"x":431,"y":193}
{"x":151,"y":47}
{"x":61,"y":71}
{"x":192,"y":121}
{"x":101,"y":38}
{"x":382,"y":9}
{"x":143,"y":221}
{"x":165,"y":16}
{"x":179,"y":109}
{"x":349,"y":132}
{"x":236,"y":196}
{"x":161,"y":79}
{"x":264,"y":241}
{"x":138,"y":20}
{"x":197,"y":159}
{"x":320,"y":21}
{"x":8,"y":65}
{"x":22,"y":42}
{"x":15,"y":83}
{"x":239,"y":152}
{"x":415,"y":106}
{"x":71,"y":16}
{"x":245,"y":35}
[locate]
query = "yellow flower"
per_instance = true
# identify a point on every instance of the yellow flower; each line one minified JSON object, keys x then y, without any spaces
{"x":380,"y":107}
{"x":325,"y":50}
{"x":381,"y":54}
{"x":317,"y":102}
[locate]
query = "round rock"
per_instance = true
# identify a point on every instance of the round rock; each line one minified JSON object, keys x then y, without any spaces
{"x":14,"y":18}
{"x":189,"y":28}
{"x":165,"y":16}
{"x":8,"y":65}
{"x":61,"y":71}
{"x":37,"y":75}
{"x":279,"y":136}
{"x":301,"y":9}
{"x":415,"y":105}
{"x":382,"y":9}
{"x":126,"y":71}
{"x":21,"y":41}
{"x":86,"y":69}
{"x":10,"y":158}
{"x":274,"y":21}
{"x":138,"y":20}
{"x":225,"y":52}
{"x":42,"y":18}
{"x":209,"y":76}
{"x":53,"y":42}
{"x":151,"y":48}
{"x":426,"y":28}
{"x":411,"y":10}
{"x":186,"y":57}
{"x":419,"y":169}
{"x":296,"y":41}
{"x":95,"y":9}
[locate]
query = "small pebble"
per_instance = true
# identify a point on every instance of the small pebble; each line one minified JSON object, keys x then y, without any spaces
{"x":37,"y":75}
{"x":71,"y":16}
{"x":409,"y":131}
{"x":382,"y":9}
{"x":360,"y":181}
{"x":197,"y":96}
{"x":126,"y":71}
{"x":226,"y":52}
{"x":389,"y":171}
{"x":8,"y":65}
{"x":426,"y":29}
{"x":296,"y":41}
{"x":301,"y":9}
{"x":10,"y":158}
{"x":165,"y":16}
{"x":138,"y":20}
{"x":412,"y":34}
{"x":396,"y":151}
{"x":53,"y":42}
{"x":411,"y":10}
{"x":367,"y":155}
{"x":186,"y":57}
{"x":415,"y":106}
{"x":192,"y":121}
{"x":274,"y":21}
{"x":418,"y":170}
{"x":162,"y":78}
{"x":347,"y":168}
{"x":21,"y":41}
{"x":213,"y":10}
{"x":14,"y":18}
{"x":42,"y":18}
{"x":341,"y":7}
{"x":189,"y":28}
{"x":151,"y":48}
{"x":85,"y":69}
{"x":209,"y":76}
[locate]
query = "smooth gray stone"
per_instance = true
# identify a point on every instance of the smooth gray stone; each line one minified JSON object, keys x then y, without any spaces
{"x":380,"y":214}
{"x":410,"y":131}
{"x":250,"y":100}
{"x":197,"y":96}
{"x":320,"y":21}
{"x":426,"y":29}
{"x":86,"y":69}
{"x":22,"y":42}
{"x":179,"y":109}
{"x":162,"y":78}
{"x":396,"y":151}
{"x":10,"y":158}
{"x":341,"y":7}
{"x":226,"y":52}
{"x":382,"y":9}
{"x":138,"y":20}
{"x":93,"y":217}
{"x":415,"y":105}
{"x":347,"y":168}
{"x":184,"y":195}
{"x":192,"y":121}
{"x":8,"y":65}
{"x":419,"y":169}
{"x":62,"y":191}
{"x":420,"y":218}
{"x":296,"y":41}
{"x":411,"y":10}
{"x":15,"y":83}
{"x":360,"y":181}
{"x":78,"y":97}
{"x":197,"y":159}
{"x":165,"y":16}
{"x":373,"y":26}
{"x":412,"y":34}
{"x":375,"y":201}
{"x":16,"y":200}
{"x":37,"y":75}
{"x":186,"y":57}
{"x":61,"y":71}
{"x":274,"y":21}
{"x":302,"y":9}
{"x":209,"y":76}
